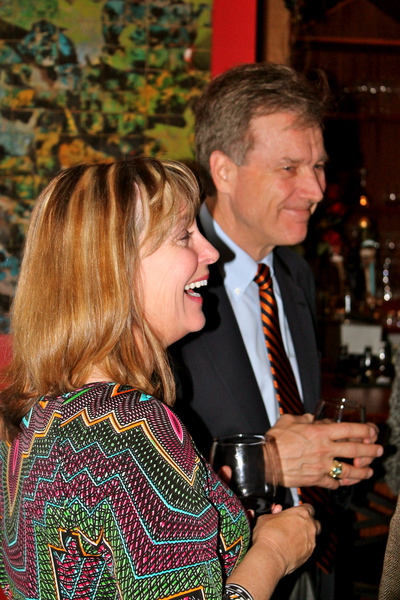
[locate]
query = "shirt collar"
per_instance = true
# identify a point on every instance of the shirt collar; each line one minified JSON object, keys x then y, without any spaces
{"x":237,"y":267}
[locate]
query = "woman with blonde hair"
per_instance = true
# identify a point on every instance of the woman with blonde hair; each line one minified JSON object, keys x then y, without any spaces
{"x":103,"y":495}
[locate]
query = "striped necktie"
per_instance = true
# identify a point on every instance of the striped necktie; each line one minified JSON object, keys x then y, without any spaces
{"x":285,"y":385}
{"x":289,"y":401}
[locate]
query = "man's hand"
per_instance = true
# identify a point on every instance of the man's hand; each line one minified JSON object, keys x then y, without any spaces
{"x":307,"y":450}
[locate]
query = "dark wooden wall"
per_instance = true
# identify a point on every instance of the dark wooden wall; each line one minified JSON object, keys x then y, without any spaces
{"x":358,"y":44}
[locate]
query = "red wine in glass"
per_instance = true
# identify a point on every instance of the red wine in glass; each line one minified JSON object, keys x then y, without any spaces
{"x":254,"y":462}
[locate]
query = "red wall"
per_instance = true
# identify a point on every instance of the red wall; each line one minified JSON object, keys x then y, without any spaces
{"x":234,"y":34}
{"x":5,"y":353}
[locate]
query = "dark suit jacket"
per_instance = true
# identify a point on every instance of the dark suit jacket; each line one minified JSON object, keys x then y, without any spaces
{"x":217,"y":391}
{"x":216,"y":387}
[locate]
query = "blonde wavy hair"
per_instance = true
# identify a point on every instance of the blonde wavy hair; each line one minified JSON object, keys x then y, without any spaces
{"x":78,"y":302}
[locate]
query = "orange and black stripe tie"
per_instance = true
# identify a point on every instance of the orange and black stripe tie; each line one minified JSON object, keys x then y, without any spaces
{"x":286,"y":389}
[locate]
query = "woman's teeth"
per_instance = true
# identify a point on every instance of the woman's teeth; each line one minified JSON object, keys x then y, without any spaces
{"x":195,"y":284}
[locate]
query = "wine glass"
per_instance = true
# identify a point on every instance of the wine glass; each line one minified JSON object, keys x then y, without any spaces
{"x":339,"y":410}
{"x":255,"y":465}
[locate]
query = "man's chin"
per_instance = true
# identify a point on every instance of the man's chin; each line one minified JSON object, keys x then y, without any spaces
{"x":300,"y":233}
{"x":294,"y":240}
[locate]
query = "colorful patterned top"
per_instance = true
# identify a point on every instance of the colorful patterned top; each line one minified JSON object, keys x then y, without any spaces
{"x":103,"y":496}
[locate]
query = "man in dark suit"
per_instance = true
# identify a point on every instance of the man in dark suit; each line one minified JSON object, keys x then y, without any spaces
{"x":260,"y":149}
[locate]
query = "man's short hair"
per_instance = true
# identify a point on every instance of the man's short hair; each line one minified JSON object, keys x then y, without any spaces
{"x":230,"y":102}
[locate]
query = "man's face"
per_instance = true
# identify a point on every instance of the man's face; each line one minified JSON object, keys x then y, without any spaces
{"x":273,"y":194}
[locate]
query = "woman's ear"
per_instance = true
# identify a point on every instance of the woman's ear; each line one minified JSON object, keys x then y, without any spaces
{"x":223,"y":171}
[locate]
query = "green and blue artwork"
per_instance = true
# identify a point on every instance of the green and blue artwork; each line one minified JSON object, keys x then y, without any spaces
{"x":91,"y":80}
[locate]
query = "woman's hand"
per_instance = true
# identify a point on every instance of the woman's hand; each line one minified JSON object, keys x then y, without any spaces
{"x":282,"y":541}
{"x":295,"y":524}
{"x":290,"y":534}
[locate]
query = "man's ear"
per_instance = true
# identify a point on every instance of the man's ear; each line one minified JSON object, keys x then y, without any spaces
{"x":223,"y":171}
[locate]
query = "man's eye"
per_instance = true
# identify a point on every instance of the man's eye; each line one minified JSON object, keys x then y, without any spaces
{"x":320,"y":167}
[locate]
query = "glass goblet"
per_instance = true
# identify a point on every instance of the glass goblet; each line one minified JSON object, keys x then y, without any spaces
{"x":339,"y":410}
{"x":255,"y":466}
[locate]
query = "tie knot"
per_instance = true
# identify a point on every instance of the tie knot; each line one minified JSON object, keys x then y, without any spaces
{"x":263,"y":277}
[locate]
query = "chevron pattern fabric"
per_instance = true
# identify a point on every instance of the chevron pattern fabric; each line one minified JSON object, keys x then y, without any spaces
{"x":103,"y":496}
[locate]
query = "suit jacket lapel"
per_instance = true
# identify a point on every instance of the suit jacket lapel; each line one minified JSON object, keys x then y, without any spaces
{"x":224,"y":344}
{"x":300,"y":316}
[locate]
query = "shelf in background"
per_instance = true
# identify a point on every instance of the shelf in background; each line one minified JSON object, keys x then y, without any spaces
{"x":375,"y":399}
{"x":342,"y":41}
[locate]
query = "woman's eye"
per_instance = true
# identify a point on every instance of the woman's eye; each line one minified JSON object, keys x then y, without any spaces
{"x":185,"y":237}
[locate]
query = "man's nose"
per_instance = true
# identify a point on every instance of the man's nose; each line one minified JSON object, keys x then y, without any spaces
{"x":314,"y":185}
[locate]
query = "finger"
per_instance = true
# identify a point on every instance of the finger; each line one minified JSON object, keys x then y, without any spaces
{"x":347,"y":481}
{"x":375,"y":428}
{"x":225,"y":473}
{"x":287,"y":419}
{"x":325,"y":421}
{"x":309,"y":507}
{"x":318,"y":527}
{"x":333,"y":483}
{"x":369,"y":440}
{"x":352,"y":473}
{"x":276,"y":509}
{"x":330,"y":483}
{"x":355,"y":449}
{"x":338,"y":431}
{"x":362,"y":461}
{"x":307,"y":418}
{"x":304,"y":418}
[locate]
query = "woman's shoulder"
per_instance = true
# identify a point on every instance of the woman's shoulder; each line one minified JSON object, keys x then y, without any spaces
{"x":94,"y":403}
{"x":97,"y":400}
{"x":122,"y":404}
{"x":125,"y":410}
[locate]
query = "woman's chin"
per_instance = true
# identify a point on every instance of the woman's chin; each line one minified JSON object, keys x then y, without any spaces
{"x":193,"y":328}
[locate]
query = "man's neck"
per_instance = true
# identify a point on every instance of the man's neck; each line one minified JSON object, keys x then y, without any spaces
{"x":234,"y":231}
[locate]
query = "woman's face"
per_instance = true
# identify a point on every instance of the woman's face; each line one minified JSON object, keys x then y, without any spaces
{"x":172,"y":276}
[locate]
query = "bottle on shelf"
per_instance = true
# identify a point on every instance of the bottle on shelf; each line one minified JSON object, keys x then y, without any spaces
{"x":366,"y":374}
{"x":368,"y":260}
{"x":363,"y":253}
{"x":388,"y":250}
{"x":342,"y":370}
{"x":384,"y":367}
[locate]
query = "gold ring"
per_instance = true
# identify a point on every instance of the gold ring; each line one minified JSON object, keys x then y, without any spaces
{"x":336,"y":469}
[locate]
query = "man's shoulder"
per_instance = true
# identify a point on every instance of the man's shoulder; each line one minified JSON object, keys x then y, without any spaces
{"x":288,"y":258}
{"x":293,"y":272}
